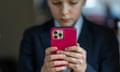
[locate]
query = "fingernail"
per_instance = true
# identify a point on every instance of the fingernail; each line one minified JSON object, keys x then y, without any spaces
{"x":81,"y":61}
{"x":58,"y":52}
{"x":55,"y":47}
{"x":78,"y":44}
{"x":65,"y":48}
{"x":66,"y":53}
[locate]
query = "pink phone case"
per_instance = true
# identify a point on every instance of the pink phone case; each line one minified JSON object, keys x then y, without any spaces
{"x":63,"y":37}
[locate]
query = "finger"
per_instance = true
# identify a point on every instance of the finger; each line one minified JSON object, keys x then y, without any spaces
{"x":76,"y":49}
{"x":72,"y":54}
{"x":82,"y":49}
{"x":71,"y":60}
{"x":59,"y":68}
{"x":78,"y":56}
{"x":50,"y":49}
{"x":58,"y":63}
{"x":55,"y":57}
{"x":60,"y":52}
{"x":75,"y":60}
{"x":74,"y":66}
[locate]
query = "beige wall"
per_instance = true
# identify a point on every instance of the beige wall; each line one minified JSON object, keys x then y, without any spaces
{"x":15,"y":16}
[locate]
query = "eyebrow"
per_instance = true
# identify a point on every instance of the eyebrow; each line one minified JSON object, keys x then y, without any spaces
{"x":74,"y":0}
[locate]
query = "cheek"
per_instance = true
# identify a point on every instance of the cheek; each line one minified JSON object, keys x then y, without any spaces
{"x":55,"y":12}
{"x":76,"y":12}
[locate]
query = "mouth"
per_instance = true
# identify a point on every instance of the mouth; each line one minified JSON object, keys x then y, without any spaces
{"x":65,"y":20}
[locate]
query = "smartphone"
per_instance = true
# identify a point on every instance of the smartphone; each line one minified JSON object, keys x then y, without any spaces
{"x":63,"y":37}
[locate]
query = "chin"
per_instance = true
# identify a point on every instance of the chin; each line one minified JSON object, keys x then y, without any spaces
{"x":66,"y":24}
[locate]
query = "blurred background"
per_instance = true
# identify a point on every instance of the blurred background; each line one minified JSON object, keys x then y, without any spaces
{"x":17,"y":15}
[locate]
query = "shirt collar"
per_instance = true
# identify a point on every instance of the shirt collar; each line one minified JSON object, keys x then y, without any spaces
{"x":77,"y":26}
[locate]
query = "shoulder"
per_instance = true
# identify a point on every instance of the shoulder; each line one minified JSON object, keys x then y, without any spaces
{"x":99,"y":29}
{"x":39,"y":28}
{"x":101,"y":33}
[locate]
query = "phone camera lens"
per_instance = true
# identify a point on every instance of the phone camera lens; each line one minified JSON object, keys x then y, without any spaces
{"x":60,"y":34}
{"x":55,"y":32}
{"x":55,"y":37}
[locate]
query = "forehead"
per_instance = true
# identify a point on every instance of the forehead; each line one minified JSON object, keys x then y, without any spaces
{"x":64,"y":0}
{"x":67,"y":0}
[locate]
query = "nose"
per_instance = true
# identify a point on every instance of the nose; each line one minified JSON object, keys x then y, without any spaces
{"x":65,"y":9}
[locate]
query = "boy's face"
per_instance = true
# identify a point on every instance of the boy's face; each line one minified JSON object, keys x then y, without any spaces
{"x":66,"y":12}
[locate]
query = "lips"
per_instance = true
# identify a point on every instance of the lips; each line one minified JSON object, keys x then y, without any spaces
{"x":65,"y":19}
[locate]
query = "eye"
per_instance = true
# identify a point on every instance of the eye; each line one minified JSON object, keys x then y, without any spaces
{"x":56,"y":3}
{"x":73,"y":3}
